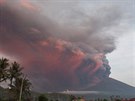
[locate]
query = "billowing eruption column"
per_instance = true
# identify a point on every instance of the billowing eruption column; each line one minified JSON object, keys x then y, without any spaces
{"x":57,"y":55}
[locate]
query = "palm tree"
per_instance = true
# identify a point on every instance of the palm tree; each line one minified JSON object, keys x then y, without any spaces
{"x":3,"y":69}
{"x":14,"y":72}
{"x":21,"y":85}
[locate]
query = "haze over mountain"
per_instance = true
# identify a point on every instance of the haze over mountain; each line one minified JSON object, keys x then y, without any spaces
{"x":65,"y":50}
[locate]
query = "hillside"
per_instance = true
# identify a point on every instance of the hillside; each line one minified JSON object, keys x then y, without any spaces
{"x":112,"y":85}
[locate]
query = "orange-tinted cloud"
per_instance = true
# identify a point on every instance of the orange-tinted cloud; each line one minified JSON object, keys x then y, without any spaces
{"x":53,"y":63}
{"x":28,"y":5}
{"x":2,"y":1}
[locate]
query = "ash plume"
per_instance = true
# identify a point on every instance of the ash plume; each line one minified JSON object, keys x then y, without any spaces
{"x":62,"y":51}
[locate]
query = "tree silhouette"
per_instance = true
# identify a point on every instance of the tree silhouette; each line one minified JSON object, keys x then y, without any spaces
{"x":3,"y":69}
{"x":20,"y":85}
{"x":14,"y":72}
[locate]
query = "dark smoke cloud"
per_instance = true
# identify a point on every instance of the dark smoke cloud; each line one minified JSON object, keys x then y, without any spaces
{"x":59,"y":54}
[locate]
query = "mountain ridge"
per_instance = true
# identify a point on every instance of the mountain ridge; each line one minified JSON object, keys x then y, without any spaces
{"x":112,"y":85}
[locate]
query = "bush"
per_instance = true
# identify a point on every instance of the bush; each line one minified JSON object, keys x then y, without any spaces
{"x":105,"y":100}
{"x":42,"y":98}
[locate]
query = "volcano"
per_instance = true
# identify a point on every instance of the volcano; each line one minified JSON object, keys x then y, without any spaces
{"x":107,"y":88}
{"x":64,"y":53}
{"x":113,"y":86}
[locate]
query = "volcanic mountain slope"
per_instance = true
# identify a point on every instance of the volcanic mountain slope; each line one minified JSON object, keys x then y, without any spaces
{"x":112,"y":85}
